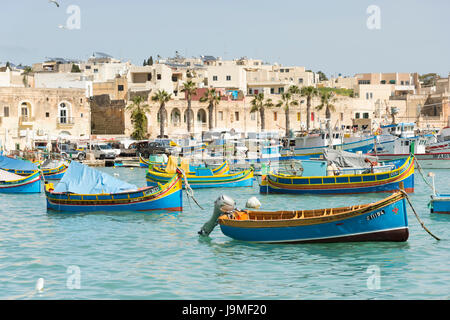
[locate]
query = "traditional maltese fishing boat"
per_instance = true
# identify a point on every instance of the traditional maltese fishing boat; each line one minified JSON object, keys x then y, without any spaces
{"x":384,"y":220}
{"x":202,"y":177}
{"x":375,"y":177}
{"x":51,"y":169}
{"x":54,"y":169}
{"x":14,"y":183}
{"x":84,"y":189}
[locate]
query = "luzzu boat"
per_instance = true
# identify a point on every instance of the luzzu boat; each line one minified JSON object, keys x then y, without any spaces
{"x":385,"y":181}
{"x":440,"y":203}
{"x":84,"y":189}
{"x":13,"y":183}
{"x":51,"y":169}
{"x":384,"y":220}
{"x":224,"y":168}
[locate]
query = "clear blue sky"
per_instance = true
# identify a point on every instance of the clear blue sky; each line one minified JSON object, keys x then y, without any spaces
{"x":330,"y":36}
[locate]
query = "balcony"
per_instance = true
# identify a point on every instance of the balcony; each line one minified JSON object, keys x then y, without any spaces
{"x":26,"y":121}
{"x":64,"y":122}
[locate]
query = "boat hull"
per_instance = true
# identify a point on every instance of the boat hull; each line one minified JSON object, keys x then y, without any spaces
{"x":242,"y":179}
{"x":440,"y":204}
{"x":169,"y":197}
{"x":387,"y":223}
{"x":426,"y":160}
{"x":29,"y":184}
{"x":346,"y":184}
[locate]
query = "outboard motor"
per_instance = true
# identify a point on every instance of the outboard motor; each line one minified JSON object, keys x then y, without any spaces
{"x":222,"y":205}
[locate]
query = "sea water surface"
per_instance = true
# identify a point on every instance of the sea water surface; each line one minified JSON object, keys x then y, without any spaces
{"x":159,"y":255}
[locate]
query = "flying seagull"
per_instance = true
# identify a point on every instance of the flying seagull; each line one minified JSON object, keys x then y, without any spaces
{"x":54,"y":1}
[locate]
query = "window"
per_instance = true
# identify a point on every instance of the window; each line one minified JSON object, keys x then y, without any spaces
{"x":299,"y":117}
{"x":120,"y":87}
{"x":402,"y":82}
{"x":63,"y":113}
{"x":253,"y":116}
{"x":272,"y":90}
{"x":149,"y":77}
{"x":357,"y":115}
{"x":47,"y":114}
{"x":81,"y":115}
{"x":300,"y":80}
{"x":250,"y":91}
{"x":281,"y":70}
{"x":236,"y":116}
{"x":383,"y":81}
{"x":363,"y":81}
{"x":275,"y":116}
{"x":286,"y":70}
{"x":280,"y":90}
{"x":228,"y":78}
{"x":6,"y":112}
{"x":95,"y":70}
{"x":342,"y":116}
{"x":220,"y":115}
{"x":214,"y":78}
{"x":371,"y":95}
{"x":365,"y":115}
{"x":158,"y":76}
{"x":88,"y":67}
{"x":392,"y":81}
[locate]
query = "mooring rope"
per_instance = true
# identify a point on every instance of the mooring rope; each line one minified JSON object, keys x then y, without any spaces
{"x":417,"y":216}
{"x":422,"y":175}
{"x":188,"y":189}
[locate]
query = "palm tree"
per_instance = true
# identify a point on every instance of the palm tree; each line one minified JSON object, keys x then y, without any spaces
{"x":26,"y":72}
{"x":213,"y":99}
{"x":162,"y":97}
{"x":286,"y":102}
{"x":138,"y":109}
{"x":309,"y":93}
{"x":327,"y":99}
{"x":190,"y":88}
{"x":258,"y":104}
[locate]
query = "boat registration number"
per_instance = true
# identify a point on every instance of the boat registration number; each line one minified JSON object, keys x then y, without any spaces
{"x":375,"y":215}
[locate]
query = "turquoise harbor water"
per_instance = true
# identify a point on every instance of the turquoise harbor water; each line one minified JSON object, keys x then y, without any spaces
{"x":160,"y":256}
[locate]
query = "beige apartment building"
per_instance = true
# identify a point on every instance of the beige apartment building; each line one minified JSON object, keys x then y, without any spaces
{"x":31,"y":114}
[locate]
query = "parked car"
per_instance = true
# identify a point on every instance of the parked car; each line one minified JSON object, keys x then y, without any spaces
{"x":70,"y":152}
{"x":103,"y":151}
{"x":146,"y":148}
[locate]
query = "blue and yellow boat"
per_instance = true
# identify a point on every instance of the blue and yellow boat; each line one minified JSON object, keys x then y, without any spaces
{"x":387,"y":181}
{"x":385,"y":220}
{"x":202,"y":177}
{"x":12,"y":183}
{"x":26,"y":168}
{"x":84,"y":189}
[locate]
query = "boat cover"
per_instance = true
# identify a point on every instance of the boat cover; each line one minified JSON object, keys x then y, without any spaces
{"x":17,"y":164}
{"x":344,"y":159}
{"x":82,"y":179}
{"x":8,"y":176}
{"x":51,"y":164}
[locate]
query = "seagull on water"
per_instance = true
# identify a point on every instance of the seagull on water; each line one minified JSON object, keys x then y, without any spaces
{"x":54,"y":1}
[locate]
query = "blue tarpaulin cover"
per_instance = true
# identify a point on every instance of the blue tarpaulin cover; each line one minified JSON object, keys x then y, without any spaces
{"x":82,"y":179}
{"x":17,"y":164}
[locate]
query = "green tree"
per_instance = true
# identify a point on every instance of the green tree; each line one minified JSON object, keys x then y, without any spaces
{"x":322,"y":76}
{"x":26,"y":72}
{"x":150,"y":61}
{"x":138,"y":109}
{"x":212,"y":97}
{"x":327,"y":99}
{"x":162,"y":97}
{"x":259,"y":105}
{"x":309,"y":93}
{"x":75,"y":68}
{"x":190,"y":89}
{"x":286,"y":102}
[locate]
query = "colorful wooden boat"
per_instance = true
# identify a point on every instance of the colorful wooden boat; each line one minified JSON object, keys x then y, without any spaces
{"x":12,"y":183}
{"x":388,"y":181}
{"x":126,"y":198}
{"x":385,"y":220}
{"x":440,"y":203}
{"x":27,"y":168}
{"x":54,"y":170}
{"x":204,"y":178}
{"x":224,"y":168}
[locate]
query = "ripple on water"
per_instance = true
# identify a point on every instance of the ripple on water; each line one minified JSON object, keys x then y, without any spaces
{"x":160,"y":256}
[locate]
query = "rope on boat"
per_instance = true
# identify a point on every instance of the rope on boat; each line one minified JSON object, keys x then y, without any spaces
{"x":188,"y":189}
{"x":423,"y":176}
{"x":417,"y":216}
